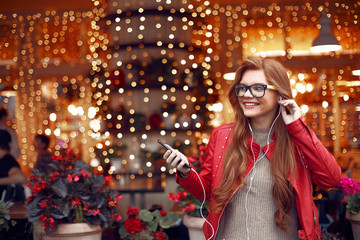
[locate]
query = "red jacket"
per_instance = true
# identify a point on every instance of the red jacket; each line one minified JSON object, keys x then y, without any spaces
{"x":315,"y":165}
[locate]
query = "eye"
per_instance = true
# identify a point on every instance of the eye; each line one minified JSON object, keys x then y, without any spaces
{"x":241,"y":87}
{"x":258,"y":87}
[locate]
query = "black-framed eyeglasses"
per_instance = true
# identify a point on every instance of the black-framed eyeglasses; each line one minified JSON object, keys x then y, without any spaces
{"x":256,"y":90}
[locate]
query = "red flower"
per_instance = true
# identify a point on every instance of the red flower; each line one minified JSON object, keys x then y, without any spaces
{"x":132,"y":211}
{"x":45,"y":221}
{"x":76,"y":202}
{"x":163,"y":213}
{"x":349,"y":185}
{"x":54,"y":176}
{"x":116,"y":217}
{"x":69,"y":178}
{"x":189,"y":207}
{"x":83,"y":173}
{"x":118,"y":196}
{"x":108,"y":180}
{"x":134,"y":225}
{"x":171,"y":196}
{"x":44,"y":203}
{"x":160,"y":236}
{"x":76,"y":178}
{"x":86,"y":205}
{"x":30,"y":198}
{"x":181,"y":195}
{"x":96,"y":212}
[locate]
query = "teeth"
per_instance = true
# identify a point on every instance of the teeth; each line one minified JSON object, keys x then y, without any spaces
{"x":250,"y":104}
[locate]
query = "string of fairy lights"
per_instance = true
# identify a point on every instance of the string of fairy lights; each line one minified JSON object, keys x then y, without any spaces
{"x":76,"y":73}
{"x":156,"y":64}
{"x":286,"y":31}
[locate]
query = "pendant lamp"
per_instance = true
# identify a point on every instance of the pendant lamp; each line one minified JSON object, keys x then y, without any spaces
{"x":326,"y":41}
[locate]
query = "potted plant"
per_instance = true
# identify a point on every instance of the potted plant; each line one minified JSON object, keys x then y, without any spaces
{"x":67,"y":192}
{"x":146,"y":225}
{"x":351,"y":190}
{"x":191,"y":206}
{"x":5,"y":219}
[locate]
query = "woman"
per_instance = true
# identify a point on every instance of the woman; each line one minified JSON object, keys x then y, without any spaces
{"x":10,"y":171}
{"x":259,"y":171}
{"x":44,"y":157}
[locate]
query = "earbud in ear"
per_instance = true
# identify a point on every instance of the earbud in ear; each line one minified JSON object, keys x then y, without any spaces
{"x":280,"y":98}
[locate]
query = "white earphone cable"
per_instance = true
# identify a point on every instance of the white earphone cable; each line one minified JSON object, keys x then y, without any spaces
{"x":202,"y":205}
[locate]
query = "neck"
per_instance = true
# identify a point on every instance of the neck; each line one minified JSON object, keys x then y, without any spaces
{"x":260,"y":123}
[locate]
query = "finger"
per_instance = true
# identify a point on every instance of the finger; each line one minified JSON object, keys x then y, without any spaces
{"x":177,"y":161}
{"x":167,"y":154}
{"x":171,"y":157}
{"x":169,"y":147}
{"x":282,"y":110}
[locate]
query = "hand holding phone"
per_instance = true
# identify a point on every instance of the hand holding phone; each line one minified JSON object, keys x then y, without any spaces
{"x":162,"y":144}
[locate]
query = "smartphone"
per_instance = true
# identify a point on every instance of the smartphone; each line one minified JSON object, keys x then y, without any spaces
{"x":162,"y":144}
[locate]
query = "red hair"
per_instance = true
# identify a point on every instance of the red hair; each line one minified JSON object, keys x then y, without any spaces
{"x":283,"y":161}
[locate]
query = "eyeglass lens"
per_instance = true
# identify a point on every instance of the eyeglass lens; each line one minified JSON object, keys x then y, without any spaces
{"x":256,"y":90}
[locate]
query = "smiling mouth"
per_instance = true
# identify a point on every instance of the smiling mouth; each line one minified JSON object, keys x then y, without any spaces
{"x":251,"y":104}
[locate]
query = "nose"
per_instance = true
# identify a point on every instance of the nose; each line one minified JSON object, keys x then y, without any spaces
{"x":248,"y":93}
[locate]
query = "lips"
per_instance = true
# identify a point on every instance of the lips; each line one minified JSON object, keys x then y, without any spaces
{"x":250,"y":104}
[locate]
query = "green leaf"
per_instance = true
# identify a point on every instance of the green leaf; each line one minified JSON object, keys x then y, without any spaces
{"x":60,"y":188}
{"x":54,"y":166}
{"x":81,"y":165}
{"x":145,"y":215}
{"x":168,"y":220}
{"x":156,"y":213}
{"x":152,"y":226}
{"x":102,"y":217}
{"x":123,"y":233}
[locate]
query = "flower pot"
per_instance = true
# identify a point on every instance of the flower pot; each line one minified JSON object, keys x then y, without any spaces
{"x":194,"y":225}
{"x":355,"y":224}
{"x":73,"y":231}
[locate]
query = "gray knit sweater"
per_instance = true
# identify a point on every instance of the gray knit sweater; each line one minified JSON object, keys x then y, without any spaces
{"x":250,"y":213}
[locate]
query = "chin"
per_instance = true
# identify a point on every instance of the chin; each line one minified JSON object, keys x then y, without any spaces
{"x":251,"y":113}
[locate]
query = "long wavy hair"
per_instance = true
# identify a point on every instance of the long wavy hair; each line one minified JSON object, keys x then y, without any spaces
{"x":283,"y":161}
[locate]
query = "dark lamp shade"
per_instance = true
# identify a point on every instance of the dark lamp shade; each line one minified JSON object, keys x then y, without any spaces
{"x":326,"y":41}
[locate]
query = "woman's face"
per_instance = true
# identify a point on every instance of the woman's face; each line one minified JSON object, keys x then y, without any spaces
{"x":259,"y":110}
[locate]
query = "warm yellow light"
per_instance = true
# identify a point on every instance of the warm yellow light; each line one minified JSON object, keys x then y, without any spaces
{"x":95,"y":125}
{"x":53,"y":117}
{"x":304,"y":108}
{"x":325,"y":104}
{"x":229,"y":76}
{"x":57,"y":132}
{"x":356,"y":72}
{"x":216,"y":107}
{"x":325,"y":48}
{"x":94,"y":162}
